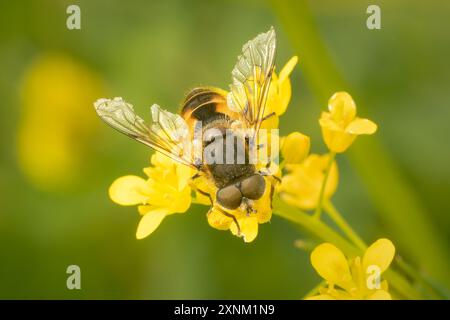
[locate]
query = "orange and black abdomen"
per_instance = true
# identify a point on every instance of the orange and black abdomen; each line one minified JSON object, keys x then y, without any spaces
{"x":205,"y":104}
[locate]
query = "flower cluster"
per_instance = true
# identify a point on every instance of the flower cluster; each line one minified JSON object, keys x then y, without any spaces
{"x":300,"y":186}
{"x":309,"y":180}
{"x":303,"y":181}
{"x":355,"y":278}
{"x":169,"y":188}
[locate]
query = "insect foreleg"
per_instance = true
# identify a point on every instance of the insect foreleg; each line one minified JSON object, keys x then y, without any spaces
{"x":229,"y":215}
{"x":206,"y":194}
{"x":266,"y":172}
{"x":270,"y":115}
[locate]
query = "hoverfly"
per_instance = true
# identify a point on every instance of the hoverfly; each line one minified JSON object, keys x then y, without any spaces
{"x":237,"y":185}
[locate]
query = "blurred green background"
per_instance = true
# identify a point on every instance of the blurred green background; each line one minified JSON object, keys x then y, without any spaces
{"x":57,"y":159}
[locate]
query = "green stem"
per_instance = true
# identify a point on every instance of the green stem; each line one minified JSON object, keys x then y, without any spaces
{"x":434,"y":291}
{"x":313,"y":226}
{"x":334,"y":214}
{"x":323,"y":232}
{"x":314,"y":290}
{"x":407,"y":269}
{"x":318,"y":211}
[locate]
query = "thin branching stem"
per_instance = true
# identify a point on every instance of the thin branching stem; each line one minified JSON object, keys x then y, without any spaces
{"x":319,"y":206}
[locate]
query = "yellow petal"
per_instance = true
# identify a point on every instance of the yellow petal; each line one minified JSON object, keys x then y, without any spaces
{"x":380,"y":295}
{"x":295,"y":147}
{"x":337,"y":141}
{"x":149,"y":222}
{"x":330,"y":263}
{"x":280,"y":89}
{"x":272,"y":121}
{"x":184,"y":173}
{"x":278,"y":98}
{"x":380,"y":254}
{"x":144,"y":209}
{"x":327,"y":121}
{"x":248,"y":227}
{"x":263,"y":206}
{"x":287,"y":69}
{"x":182,"y":200}
{"x":206,"y":186}
{"x":218,"y":220}
{"x":342,"y":107}
{"x":284,"y":94}
{"x":301,"y":186}
{"x":332,"y":181}
{"x":361,"y":126}
{"x":201,"y":199}
{"x":160,"y":160}
{"x":128,"y":190}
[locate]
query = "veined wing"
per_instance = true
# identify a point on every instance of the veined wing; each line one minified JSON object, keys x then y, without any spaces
{"x":251,"y":78}
{"x":168,"y":133}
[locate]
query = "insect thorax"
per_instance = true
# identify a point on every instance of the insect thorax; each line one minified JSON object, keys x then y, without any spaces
{"x":233,"y":164}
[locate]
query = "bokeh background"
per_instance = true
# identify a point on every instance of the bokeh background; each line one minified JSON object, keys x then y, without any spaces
{"x":57,"y":159}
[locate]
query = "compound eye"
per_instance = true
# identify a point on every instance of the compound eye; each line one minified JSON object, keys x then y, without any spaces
{"x":230,"y":197}
{"x":253,"y":187}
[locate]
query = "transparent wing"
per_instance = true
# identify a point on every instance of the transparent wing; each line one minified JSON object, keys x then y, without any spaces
{"x":251,"y":78}
{"x":168,"y":133}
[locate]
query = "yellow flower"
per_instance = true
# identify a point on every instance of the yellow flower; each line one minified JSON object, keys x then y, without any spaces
{"x":340,"y":126}
{"x":355,"y":278}
{"x":301,"y":185}
{"x":295,"y":147}
{"x":166,"y":191}
{"x":56,"y":124}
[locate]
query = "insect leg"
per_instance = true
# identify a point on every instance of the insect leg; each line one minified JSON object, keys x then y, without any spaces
{"x":196,"y":176}
{"x":229,"y":215}
{"x":206,"y":194}
{"x":272,"y":191}
{"x":266,"y":172}
{"x":276,"y":178}
{"x":270,"y":115}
